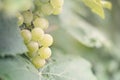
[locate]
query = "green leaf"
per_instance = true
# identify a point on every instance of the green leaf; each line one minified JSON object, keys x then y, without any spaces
{"x":17,"y":68}
{"x":89,"y":36}
{"x":67,"y":67}
{"x":82,"y":31}
{"x":95,"y":6}
{"x":11,"y":42}
{"x":106,"y":4}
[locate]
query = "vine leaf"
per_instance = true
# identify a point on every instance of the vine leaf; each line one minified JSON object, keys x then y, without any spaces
{"x":89,"y":36}
{"x":106,"y":4}
{"x":17,"y":68}
{"x":67,"y":68}
{"x":83,"y":32}
{"x":95,"y":6}
{"x":11,"y":42}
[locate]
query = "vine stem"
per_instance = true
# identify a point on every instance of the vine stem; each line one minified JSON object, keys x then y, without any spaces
{"x":58,"y":75}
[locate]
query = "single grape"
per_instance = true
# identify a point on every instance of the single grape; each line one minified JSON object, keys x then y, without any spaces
{"x":47,"y":9}
{"x":37,"y":3}
{"x":57,"y":11}
{"x":38,"y":62}
{"x":44,"y":52}
{"x":26,"y":34}
{"x":37,"y":34}
{"x":44,"y":1}
{"x":46,"y":41}
{"x":28,"y":17}
{"x":25,"y":7}
{"x":31,"y":55}
{"x":41,"y":22}
{"x":57,"y":3}
{"x":32,"y":47}
{"x":20,"y":19}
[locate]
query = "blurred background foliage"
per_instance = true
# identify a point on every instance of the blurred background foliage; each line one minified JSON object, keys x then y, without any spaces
{"x":80,"y":32}
{"x":77,"y":32}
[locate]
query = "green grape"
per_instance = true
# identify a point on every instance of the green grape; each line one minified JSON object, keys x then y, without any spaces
{"x":20,"y":19}
{"x":41,"y":22}
{"x":44,"y":1}
{"x":26,"y":34}
{"x":57,"y":11}
{"x":44,"y":52}
{"x":46,"y":41}
{"x":32,"y":47}
{"x":37,"y":34}
{"x":57,"y":3}
{"x":47,"y":9}
{"x":38,"y":62}
{"x":26,"y":5}
{"x":37,"y":3}
{"x":28,"y":17}
{"x":31,"y":55}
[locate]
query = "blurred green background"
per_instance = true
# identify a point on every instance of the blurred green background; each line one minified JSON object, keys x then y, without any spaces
{"x":81,"y":32}
{"x":83,"y":41}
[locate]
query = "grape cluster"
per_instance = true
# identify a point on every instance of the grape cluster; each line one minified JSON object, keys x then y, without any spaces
{"x":33,"y":25}
{"x":38,"y":44}
{"x":48,"y":7}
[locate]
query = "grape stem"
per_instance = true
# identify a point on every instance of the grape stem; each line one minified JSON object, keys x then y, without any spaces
{"x":58,"y":75}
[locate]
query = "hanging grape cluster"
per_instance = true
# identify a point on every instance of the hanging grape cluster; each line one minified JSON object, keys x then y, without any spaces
{"x":33,"y":25}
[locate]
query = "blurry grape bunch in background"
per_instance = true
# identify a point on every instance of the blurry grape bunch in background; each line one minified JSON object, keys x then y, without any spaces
{"x":85,"y":46}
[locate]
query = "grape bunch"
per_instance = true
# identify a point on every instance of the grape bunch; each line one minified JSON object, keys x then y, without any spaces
{"x":48,"y":7}
{"x":38,"y":44}
{"x":33,"y":25}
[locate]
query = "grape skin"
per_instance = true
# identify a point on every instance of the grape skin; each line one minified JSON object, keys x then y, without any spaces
{"x":26,"y":34}
{"x":26,"y":7}
{"x":44,"y":52}
{"x":44,"y":1}
{"x":47,"y":9}
{"x":46,"y":41}
{"x":41,"y":22}
{"x":37,"y":34}
{"x":57,"y":11}
{"x":20,"y":19}
{"x":28,"y":17}
{"x":57,"y":3}
{"x":38,"y":62}
{"x":32,"y":47}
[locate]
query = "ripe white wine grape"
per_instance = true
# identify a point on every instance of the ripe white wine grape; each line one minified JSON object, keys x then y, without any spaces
{"x":37,"y":34}
{"x":46,"y":41}
{"x":47,"y":9}
{"x":25,"y":7}
{"x":44,"y":1}
{"x":57,"y":3}
{"x":32,"y":22}
{"x":57,"y":11}
{"x":38,"y":62}
{"x":20,"y":19}
{"x":33,"y":47}
{"x":26,"y":34}
{"x":44,"y":52}
{"x":28,"y":17}
{"x":41,"y":22}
